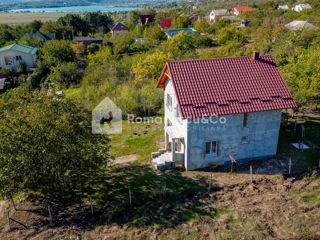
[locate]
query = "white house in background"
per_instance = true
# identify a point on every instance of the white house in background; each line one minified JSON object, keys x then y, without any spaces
{"x":219,"y":107}
{"x":13,"y":55}
{"x":301,"y":7}
{"x":283,"y":7}
{"x":215,"y":15}
{"x":299,"y":25}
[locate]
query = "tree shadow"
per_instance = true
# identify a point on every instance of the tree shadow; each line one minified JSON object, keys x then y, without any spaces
{"x":165,"y":199}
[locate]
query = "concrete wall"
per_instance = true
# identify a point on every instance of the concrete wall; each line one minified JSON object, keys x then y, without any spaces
{"x":27,"y":58}
{"x":119,"y":32}
{"x":262,"y":134}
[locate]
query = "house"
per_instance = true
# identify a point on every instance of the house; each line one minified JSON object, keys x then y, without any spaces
{"x":283,"y":7}
{"x":118,"y":28}
{"x":146,"y":19}
{"x":89,"y":40}
{"x":13,"y":55}
{"x":217,"y":108}
{"x":2,"y":83}
{"x":43,"y":36}
{"x":299,"y":25}
{"x":193,"y":17}
{"x":171,"y":32}
{"x":165,"y":23}
{"x":244,"y":23}
{"x":301,"y":7}
{"x":215,"y":15}
{"x":237,"y":10}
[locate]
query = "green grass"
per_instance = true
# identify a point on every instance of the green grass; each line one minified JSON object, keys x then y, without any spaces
{"x":72,"y":92}
{"x":309,"y":195}
{"x":137,"y":138}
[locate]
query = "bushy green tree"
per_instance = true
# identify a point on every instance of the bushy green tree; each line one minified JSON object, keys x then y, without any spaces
{"x":65,"y":75}
{"x":56,"y":52}
{"x":47,"y":147}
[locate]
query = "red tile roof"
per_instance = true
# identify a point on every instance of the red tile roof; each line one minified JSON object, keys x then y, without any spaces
{"x":225,"y":86}
{"x":145,"y":19}
{"x":242,"y":8}
{"x":165,"y":22}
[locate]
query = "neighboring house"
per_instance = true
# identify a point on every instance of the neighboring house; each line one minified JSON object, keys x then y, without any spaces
{"x":140,"y":40}
{"x":283,"y":7}
{"x":299,"y":25}
{"x":193,"y":17}
{"x":165,"y":23}
{"x":301,"y":7}
{"x":118,"y":29}
{"x":13,"y":55}
{"x":215,"y":15}
{"x":217,"y":108}
{"x":237,"y":10}
{"x":2,"y":83}
{"x":146,"y":19}
{"x":171,"y":32}
{"x":244,"y":23}
{"x":43,"y":36}
{"x":89,"y":40}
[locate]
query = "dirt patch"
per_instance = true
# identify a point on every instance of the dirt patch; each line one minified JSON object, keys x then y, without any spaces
{"x":125,"y":159}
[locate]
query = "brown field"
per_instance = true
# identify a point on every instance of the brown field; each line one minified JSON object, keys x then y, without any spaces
{"x":20,"y":18}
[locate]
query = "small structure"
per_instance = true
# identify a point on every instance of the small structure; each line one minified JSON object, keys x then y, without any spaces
{"x":301,"y":7}
{"x":219,"y":107}
{"x":165,"y":23}
{"x":13,"y":55}
{"x":146,"y":19}
{"x":283,"y":7}
{"x":140,"y":40}
{"x":172,"y":32}
{"x":193,"y":17}
{"x":2,"y":83}
{"x":86,"y":41}
{"x":118,"y":29}
{"x":299,"y":25}
{"x":230,"y":18}
{"x":215,"y":15}
{"x":244,"y":23}
{"x":237,"y":10}
{"x":43,"y":36}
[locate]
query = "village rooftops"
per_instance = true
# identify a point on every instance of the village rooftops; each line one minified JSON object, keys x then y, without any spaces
{"x":299,"y":25}
{"x":86,"y":39}
{"x":225,"y":86}
{"x":118,"y":27}
{"x":20,"y":48}
{"x":171,"y":32}
{"x":146,"y":19}
{"x":239,"y":9}
{"x":165,"y":23}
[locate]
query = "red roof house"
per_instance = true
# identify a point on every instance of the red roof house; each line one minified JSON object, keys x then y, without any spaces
{"x":165,"y":23}
{"x":146,"y":19}
{"x":237,"y":10}
{"x":219,"y":107}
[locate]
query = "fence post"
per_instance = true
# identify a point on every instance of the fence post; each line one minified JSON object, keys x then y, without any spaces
{"x":50,"y":215}
{"x":210,"y":183}
{"x":8,"y":217}
{"x":91,"y":206}
{"x":130,"y":199}
{"x":251,"y":177}
{"x":290,"y":164}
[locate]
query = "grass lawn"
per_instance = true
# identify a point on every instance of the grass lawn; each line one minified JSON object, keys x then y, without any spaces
{"x":137,"y":138}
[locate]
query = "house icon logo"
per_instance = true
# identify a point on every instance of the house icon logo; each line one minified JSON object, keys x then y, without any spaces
{"x":107,"y":118}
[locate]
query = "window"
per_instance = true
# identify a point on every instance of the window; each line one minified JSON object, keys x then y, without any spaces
{"x":18,"y":58}
{"x":169,"y":101}
{"x":8,"y":60}
{"x":211,"y":148}
{"x":169,"y":123}
{"x":245,"y":119}
{"x":178,"y":112}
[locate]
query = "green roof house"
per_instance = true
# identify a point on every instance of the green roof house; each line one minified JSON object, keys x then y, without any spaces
{"x":13,"y":55}
{"x":43,"y":36}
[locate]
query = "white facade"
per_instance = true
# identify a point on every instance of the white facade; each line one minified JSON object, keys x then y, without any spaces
{"x":12,"y":59}
{"x":216,"y":14}
{"x":301,"y":7}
